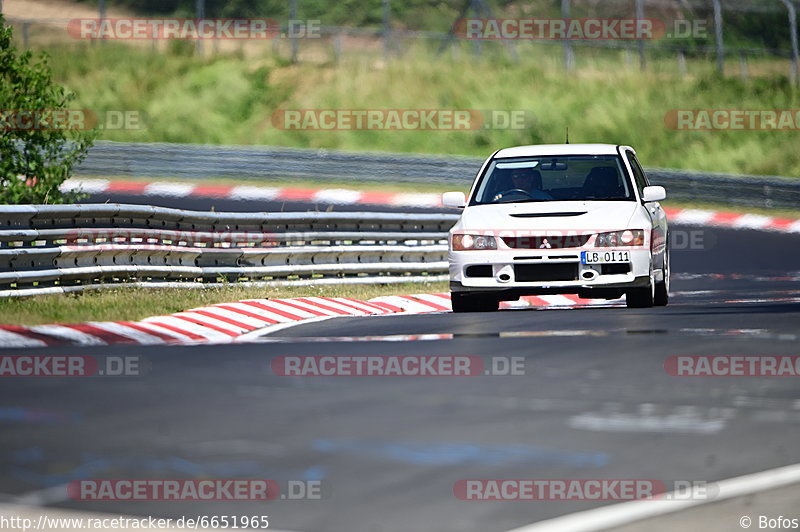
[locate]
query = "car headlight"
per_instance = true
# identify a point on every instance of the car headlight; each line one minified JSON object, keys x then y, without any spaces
{"x":473,"y":242}
{"x":629,"y":237}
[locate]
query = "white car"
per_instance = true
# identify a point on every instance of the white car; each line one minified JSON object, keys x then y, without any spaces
{"x":559,"y":219}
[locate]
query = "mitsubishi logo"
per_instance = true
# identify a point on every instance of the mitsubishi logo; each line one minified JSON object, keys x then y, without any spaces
{"x":545,"y":244}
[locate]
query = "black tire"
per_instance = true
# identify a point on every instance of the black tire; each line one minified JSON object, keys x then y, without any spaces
{"x":473,"y":303}
{"x":662,"y":289}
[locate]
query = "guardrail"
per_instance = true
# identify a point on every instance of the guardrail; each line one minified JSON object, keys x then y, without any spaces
{"x":51,"y":248}
{"x":111,"y":159}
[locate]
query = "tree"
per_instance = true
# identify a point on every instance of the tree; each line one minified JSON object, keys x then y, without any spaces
{"x":41,"y":140}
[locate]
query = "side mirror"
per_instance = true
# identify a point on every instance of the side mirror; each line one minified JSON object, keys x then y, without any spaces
{"x":454,"y":199}
{"x":654,"y":194}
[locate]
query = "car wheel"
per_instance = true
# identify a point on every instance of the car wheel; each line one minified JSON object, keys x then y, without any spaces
{"x":642,"y":297}
{"x":473,"y":303}
{"x":662,"y":288}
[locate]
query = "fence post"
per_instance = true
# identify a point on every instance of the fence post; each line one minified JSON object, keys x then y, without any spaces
{"x":718,"y":37}
{"x":743,"y":66}
{"x":477,"y":44}
{"x":386,"y":28}
{"x":25,"y":26}
{"x":455,"y":52}
{"x":200,"y":13}
{"x":639,"y":18}
{"x":682,"y":63}
{"x":292,"y":32}
{"x":101,"y":13}
{"x":793,"y":29}
{"x":337,"y":47}
{"x":743,"y":71}
{"x":569,"y":56}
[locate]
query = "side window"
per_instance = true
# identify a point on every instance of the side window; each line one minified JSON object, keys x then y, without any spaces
{"x":638,"y":174}
{"x":641,"y":170}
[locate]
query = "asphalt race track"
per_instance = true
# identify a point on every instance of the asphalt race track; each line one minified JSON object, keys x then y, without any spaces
{"x":595,"y":401}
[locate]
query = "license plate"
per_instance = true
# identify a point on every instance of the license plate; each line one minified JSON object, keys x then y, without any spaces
{"x":605,"y":257}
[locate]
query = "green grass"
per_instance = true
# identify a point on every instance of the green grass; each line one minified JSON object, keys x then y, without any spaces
{"x":133,"y":303}
{"x":230,"y":99}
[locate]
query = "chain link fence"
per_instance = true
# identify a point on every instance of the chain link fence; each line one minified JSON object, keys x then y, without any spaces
{"x":727,"y":33}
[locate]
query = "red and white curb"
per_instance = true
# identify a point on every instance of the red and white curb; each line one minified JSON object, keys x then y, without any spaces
{"x":732,"y":220}
{"x":242,"y":320}
{"x":331,"y":196}
{"x":393,"y":199}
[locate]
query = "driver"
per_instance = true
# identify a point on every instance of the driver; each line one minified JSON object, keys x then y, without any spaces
{"x":523,"y":179}
{"x":528,"y":181}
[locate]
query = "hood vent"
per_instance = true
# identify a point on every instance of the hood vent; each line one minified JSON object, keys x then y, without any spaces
{"x":546,"y":214}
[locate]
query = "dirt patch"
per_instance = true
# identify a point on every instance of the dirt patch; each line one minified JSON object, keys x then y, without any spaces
{"x":52,"y":9}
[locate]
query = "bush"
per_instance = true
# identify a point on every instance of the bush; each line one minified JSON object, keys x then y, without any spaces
{"x":37,"y":147}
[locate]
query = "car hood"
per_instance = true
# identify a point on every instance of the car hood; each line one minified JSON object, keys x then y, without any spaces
{"x":550,"y":216}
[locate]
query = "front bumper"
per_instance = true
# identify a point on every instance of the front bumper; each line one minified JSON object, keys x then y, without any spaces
{"x":552,"y":271}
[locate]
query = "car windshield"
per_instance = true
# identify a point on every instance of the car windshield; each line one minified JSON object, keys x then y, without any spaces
{"x":562,"y":178}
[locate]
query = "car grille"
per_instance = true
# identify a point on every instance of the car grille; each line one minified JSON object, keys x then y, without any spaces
{"x":546,"y":242}
{"x":546,"y":272}
{"x":614,"y":269}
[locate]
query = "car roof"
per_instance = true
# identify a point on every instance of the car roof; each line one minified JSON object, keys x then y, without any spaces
{"x":538,"y":150}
